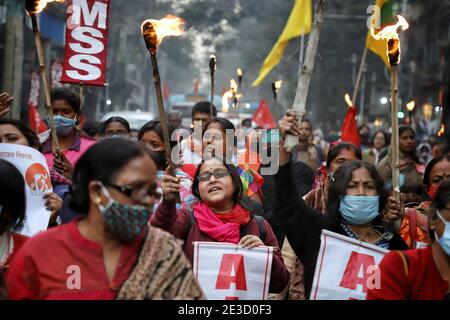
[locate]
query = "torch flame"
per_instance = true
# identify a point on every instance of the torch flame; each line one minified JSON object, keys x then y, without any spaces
{"x":348,"y":100}
{"x":34,"y":7}
{"x":168,"y":26}
{"x":225,"y":104}
{"x":390,"y":32}
{"x":278,"y":84}
{"x":239,"y":72}
{"x":233,"y":85}
{"x":410,"y":105}
{"x":441,"y":130}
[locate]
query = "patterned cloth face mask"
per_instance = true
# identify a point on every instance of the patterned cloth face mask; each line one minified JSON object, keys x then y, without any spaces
{"x":126,"y":222}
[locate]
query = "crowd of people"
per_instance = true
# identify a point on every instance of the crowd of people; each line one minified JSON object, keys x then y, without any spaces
{"x":125,"y":215}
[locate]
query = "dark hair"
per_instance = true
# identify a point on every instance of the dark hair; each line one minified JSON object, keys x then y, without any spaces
{"x":404,"y":128}
{"x":101,"y":162}
{"x":12,"y":196}
{"x":225,"y":124}
{"x":203,"y":107}
{"x":114,"y":119}
{"x":385,"y":135}
{"x":308,"y":122}
{"x":237,"y":183}
{"x":363,"y":126}
{"x":338,"y":188}
{"x":155,"y":125}
{"x":337,"y":148}
{"x":430,"y":166}
{"x":90,"y":128}
{"x":69,"y":96}
{"x":29,"y":134}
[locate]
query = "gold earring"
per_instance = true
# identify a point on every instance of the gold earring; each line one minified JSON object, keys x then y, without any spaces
{"x":98,"y":200}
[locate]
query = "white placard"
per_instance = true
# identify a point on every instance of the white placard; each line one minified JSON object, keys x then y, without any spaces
{"x":345,"y":268}
{"x":229,"y":272}
{"x":33,"y":167}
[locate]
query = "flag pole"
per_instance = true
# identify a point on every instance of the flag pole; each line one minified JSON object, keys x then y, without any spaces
{"x":305,"y":71}
{"x":359,"y":76}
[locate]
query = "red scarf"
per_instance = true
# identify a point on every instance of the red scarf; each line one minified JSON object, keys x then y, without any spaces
{"x":221,"y":227}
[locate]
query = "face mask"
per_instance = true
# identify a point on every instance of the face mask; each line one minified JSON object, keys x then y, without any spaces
{"x":160,"y":159}
{"x":359,"y":210}
{"x":126,"y":222}
{"x":432,"y":190}
{"x":444,"y":241}
{"x":64,"y":126}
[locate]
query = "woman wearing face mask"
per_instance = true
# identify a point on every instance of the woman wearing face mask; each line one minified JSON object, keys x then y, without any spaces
{"x":72,"y":142}
{"x":221,"y":214}
{"x":420,"y":274}
{"x":16,"y":132}
{"x":115,"y":127}
{"x":355,"y":208}
{"x":12,"y":212}
{"x":151,"y":135}
{"x":219,"y":140}
{"x":414,"y":228}
{"x":111,"y":252}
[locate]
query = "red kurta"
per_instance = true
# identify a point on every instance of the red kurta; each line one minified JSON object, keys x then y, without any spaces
{"x":423,"y":281}
{"x":52,"y":264}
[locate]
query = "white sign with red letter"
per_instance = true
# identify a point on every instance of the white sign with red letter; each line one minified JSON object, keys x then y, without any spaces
{"x":86,"y":42}
{"x":346,"y":268}
{"x":33,"y":167}
{"x":229,"y":272}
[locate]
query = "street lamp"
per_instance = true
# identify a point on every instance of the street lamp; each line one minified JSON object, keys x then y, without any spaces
{"x":410,"y":107}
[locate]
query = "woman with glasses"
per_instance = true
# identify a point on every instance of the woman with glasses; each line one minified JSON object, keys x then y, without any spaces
{"x":420,"y":274}
{"x":115,"y":127}
{"x":221,"y":214}
{"x":110,"y":252}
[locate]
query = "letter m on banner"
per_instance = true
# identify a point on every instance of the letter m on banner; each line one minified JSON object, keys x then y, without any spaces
{"x":86,"y":42}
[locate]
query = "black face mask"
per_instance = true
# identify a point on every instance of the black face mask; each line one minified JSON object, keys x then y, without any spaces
{"x":160,"y":160}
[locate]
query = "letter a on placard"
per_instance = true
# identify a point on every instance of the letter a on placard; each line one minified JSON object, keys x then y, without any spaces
{"x":225,"y":278}
{"x":351,"y":276}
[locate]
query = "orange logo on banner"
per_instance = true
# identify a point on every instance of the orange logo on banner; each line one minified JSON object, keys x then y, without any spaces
{"x":38,"y":178}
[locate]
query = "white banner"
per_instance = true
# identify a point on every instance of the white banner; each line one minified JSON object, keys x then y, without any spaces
{"x":345,"y":268}
{"x":229,"y":272}
{"x":31,"y":163}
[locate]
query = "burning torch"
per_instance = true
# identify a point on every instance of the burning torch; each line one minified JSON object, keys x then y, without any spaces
{"x":240,"y":76}
{"x":154,"y":31}
{"x":393,"y":52}
{"x":275,"y":87}
{"x":33,"y":7}
{"x":212,"y":71}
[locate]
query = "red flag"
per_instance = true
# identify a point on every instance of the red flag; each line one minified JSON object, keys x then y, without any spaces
{"x":196,"y":86}
{"x":263,"y":117}
{"x":35,"y":120}
{"x":349,"y":130}
{"x":166,"y":93}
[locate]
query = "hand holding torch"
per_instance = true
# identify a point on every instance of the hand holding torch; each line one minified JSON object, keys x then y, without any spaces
{"x":33,"y":7}
{"x":393,"y":52}
{"x":154,"y":31}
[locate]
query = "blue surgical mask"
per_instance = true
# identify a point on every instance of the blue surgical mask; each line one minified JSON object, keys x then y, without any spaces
{"x":359,"y":210}
{"x":444,"y":241}
{"x":64,"y":126}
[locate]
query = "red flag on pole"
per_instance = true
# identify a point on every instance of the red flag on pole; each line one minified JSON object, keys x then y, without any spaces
{"x":263,"y":117}
{"x":35,"y":120}
{"x":166,"y":90}
{"x":349,"y":130}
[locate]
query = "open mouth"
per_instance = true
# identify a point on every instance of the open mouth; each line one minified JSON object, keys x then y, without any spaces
{"x":214,"y":189}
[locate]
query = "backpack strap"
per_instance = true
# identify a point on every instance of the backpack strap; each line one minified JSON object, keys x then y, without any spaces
{"x":261,"y":229}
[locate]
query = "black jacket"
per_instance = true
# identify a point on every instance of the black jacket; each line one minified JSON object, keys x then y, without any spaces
{"x":303,"y":225}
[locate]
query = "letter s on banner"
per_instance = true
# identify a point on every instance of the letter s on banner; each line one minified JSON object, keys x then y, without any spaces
{"x":86,"y":42}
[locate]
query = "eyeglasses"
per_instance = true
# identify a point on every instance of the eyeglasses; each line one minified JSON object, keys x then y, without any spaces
{"x":219,"y":173}
{"x":135,"y":193}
